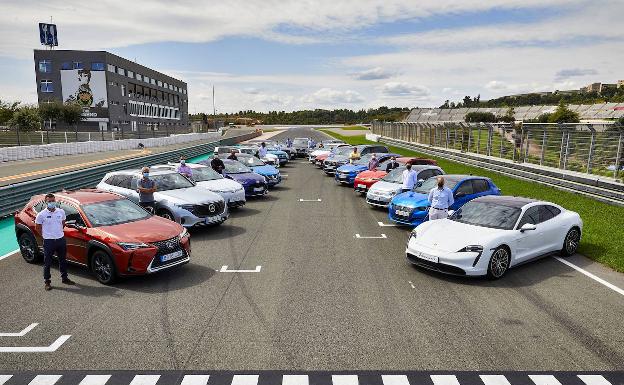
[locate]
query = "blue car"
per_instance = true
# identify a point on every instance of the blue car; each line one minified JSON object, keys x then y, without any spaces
{"x":412,"y":207}
{"x":346,"y":173}
{"x":282,"y":156}
{"x":272,"y":175}
{"x":254,"y":184}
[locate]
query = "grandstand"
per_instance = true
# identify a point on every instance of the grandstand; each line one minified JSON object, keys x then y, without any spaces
{"x":586,"y":112}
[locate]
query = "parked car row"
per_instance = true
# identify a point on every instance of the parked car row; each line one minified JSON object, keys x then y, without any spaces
{"x":108,"y":232}
{"x":485,"y":233}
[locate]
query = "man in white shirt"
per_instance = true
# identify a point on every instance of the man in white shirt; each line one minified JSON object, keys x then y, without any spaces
{"x":262,"y":152}
{"x":410,"y":178}
{"x":440,"y":198}
{"x":50,"y":223}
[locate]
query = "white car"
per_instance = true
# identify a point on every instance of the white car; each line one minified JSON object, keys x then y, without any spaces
{"x":323,"y":151}
{"x":381,"y":193}
{"x":231,"y":191}
{"x":490,"y":234}
{"x":271,"y":159}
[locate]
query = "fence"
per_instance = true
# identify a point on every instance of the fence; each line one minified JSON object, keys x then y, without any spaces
{"x":573,"y":147}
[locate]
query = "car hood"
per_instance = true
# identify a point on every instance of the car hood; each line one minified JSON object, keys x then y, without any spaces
{"x":265,"y":170}
{"x":352,"y":168}
{"x":319,"y":152}
{"x":222,"y":184}
{"x":247,"y":178}
{"x":190,"y":195}
{"x":339,"y":158}
{"x":371,"y":174}
{"x":411,"y":199}
{"x":451,"y":236}
{"x":278,"y":152}
{"x":383,"y":186}
{"x":149,"y":230}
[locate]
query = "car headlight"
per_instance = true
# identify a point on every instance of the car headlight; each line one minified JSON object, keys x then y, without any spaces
{"x":184,"y":233}
{"x":133,"y":245}
{"x":471,"y":249}
{"x":422,"y":208}
{"x":186,"y":207}
{"x":413,"y":235}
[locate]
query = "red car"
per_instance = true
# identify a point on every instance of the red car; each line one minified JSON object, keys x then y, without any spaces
{"x":365,"y":179}
{"x":108,"y":234}
{"x":318,"y":161}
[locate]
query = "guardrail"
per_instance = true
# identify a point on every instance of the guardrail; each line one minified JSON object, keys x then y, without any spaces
{"x":13,"y":197}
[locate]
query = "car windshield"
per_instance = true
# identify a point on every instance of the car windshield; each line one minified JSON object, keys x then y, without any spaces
{"x":114,"y":212}
{"x":300,"y":142}
{"x":487,"y":214}
{"x":343,"y":150}
{"x":236,"y":168}
{"x":203,"y":174}
{"x":432,"y":182}
{"x":171,"y":181}
{"x":250,"y":151}
{"x":363,"y":161}
{"x":394,"y":176}
{"x":251,"y":161}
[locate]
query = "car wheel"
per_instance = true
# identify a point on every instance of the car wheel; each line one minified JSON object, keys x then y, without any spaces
{"x":571,"y":242}
{"x":499,"y":263}
{"x":166,"y":214}
{"x":103,"y":267}
{"x":28,"y":248}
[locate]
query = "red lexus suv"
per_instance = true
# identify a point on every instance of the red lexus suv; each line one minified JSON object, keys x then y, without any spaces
{"x":108,"y":234}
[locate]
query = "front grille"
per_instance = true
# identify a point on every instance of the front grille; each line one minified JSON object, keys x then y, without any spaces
{"x":402,"y":208}
{"x":165,"y":247}
{"x":441,"y":267}
{"x":376,"y":202}
{"x":209,"y":209}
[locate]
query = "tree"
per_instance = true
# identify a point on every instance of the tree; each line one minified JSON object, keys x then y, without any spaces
{"x":6,"y":111}
{"x":478,"y":117}
{"x":509,"y":116}
{"x":26,"y":118}
{"x":51,"y":111}
{"x":563,"y":115}
{"x":71,"y":114}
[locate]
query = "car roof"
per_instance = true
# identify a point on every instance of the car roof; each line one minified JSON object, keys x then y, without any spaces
{"x":85,"y":196}
{"x":138,"y":172}
{"x":505,"y":200}
{"x":459,"y":177}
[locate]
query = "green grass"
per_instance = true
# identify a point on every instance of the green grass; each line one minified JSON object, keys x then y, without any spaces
{"x":603,"y":229}
{"x":353,"y":128}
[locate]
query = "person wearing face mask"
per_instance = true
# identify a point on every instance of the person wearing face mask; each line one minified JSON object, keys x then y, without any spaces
{"x":373,"y":163}
{"x":184,"y":169}
{"x":440,"y":198}
{"x":146,"y":188}
{"x":50,"y":223}
{"x":392,"y":164}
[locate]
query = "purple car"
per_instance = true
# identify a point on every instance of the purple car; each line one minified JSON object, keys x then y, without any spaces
{"x":254,"y":184}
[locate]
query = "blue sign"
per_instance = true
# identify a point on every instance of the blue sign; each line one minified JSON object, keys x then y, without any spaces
{"x":47,"y":34}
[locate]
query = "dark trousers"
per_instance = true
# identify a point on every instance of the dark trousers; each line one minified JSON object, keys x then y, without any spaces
{"x":406,"y":190}
{"x":51,"y":246}
{"x":149,"y":206}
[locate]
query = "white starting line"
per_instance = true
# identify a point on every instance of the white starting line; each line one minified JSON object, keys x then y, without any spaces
{"x":387,"y":224}
{"x":36,"y":349}
{"x":310,"y":200}
{"x":224,"y":269}
{"x":358,"y":236}
{"x":22,"y":333}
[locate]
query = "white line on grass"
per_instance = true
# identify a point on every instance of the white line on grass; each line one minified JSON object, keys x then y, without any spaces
{"x":592,"y":276}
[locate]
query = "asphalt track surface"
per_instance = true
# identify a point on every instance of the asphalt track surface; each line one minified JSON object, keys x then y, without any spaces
{"x":323,"y":300}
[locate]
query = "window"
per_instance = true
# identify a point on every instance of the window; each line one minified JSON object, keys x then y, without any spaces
{"x":166,"y":85}
{"x":159,"y":83}
{"x":46,"y":86}
{"x":45,"y":66}
{"x":38,"y":206}
{"x":66,"y":65}
{"x":123,"y":90}
{"x":146,"y":79}
{"x":77,"y":65}
{"x":480,"y":185}
{"x":425,"y":174}
{"x":111,"y":68}
{"x":139,"y":77}
{"x":97,"y":66}
{"x":464,"y":189}
{"x":124,"y":181}
{"x":531,"y":215}
{"x":153,"y":81}
{"x":547,"y":212}
{"x":125,"y":108}
{"x":121,"y":71}
{"x":130,"y":74}
{"x":72,"y":213}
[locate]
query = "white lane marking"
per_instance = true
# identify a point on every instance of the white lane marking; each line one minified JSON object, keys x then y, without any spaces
{"x":590,"y":275}
{"x":145,"y":379}
{"x":309,"y":200}
{"x":593,"y":379}
{"x":345,"y":379}
{"x":22,"y":333}
{"x":358,"y":236}
{"x":284,"y":175}
{"x":4,"y":378}
{"x":412,"y":285}
{"x":387,"y":224}
{"x":36,"y":349}
{"x":444,"y":380}
{"x":8,"y":254}
{"x":295,"y":379}
{"x":544,"y":379}
{"x":392,"y":379}
{"x":245,"y":379}
{"x":489,"y":379}
{"x":95,"y":379}
{"x":224,"y":269}
{"x":195,"y":379}
{"x":47,"y":379}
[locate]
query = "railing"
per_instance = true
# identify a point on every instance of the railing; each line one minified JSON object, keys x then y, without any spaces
{"x":572,"y":147}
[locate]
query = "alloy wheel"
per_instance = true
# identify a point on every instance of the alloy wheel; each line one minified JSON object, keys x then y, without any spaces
{"x":102,"y":268}
{"x":27,"y":248}
{"x":572,"y":241}
{"x":499,"y":262}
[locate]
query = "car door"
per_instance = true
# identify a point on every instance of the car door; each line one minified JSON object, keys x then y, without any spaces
{"x":528,"y":244}
{"x":480,"y":187}
{"x":551,"y":229}
{"x":76,"y":238}
{"x":423,"y":175}
{"x":130,"y":185}
{"x":462,"y":194}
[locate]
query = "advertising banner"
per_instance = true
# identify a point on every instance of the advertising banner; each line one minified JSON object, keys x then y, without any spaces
{"x":88,"y":89}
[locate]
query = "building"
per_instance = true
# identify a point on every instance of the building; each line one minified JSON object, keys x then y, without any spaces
{"x":115,"y":93}
{"x":599,"y":87}
{"x":620,"y":83}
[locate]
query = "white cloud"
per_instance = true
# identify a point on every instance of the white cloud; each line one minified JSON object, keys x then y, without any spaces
{"x":376,"y":73}
{"x":404,"y":89}
{"x":326,"y":96}
{"x":496,"y":85}
{"x":574,"y":73}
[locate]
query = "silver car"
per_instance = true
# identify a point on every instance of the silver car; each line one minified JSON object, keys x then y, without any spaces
{"x":177,"y":198}
{"x":381,"y":193}
{"x":204,"y":176}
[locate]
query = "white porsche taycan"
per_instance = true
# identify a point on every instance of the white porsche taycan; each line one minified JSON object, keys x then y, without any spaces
{"x":490,"y":234}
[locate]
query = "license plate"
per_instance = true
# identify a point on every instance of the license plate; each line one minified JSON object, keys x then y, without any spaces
{"x":361,"y":185}
{"x":427,"y":257}
{"x":169,"y":257}
{"x":258,"y":189}
{"x":401,"y":213}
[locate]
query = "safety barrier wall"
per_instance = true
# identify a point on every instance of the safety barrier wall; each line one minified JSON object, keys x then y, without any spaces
{"x":13,"y":197}
{"x":8,"y":154}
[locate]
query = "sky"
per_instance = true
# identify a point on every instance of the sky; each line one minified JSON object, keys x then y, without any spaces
{"x":267,"y":55}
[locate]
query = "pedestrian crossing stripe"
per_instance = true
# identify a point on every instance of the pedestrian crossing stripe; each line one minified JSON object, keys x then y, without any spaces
{"x":310,"y":378}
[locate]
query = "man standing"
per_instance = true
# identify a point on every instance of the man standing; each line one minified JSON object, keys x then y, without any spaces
{"x":217,"y":164}
{"x":373,"y":163}
{"x":440,"y":198}
{"x":232,"y":155}
{"x":184,"y":169}
{"x":263,"y":151}
{"x":410,"y":178}
{"x":146,"y":189}
{"x":353,"y":156}
{"x":392,"y":164}
{"x":50,"y":223}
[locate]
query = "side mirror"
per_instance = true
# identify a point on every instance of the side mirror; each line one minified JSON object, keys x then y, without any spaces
{"x":460,"y":194}
{"x":450,"y":213}
{"x":527,"y":227}
{"x":420,"y":182}
{"x":73,"y":225}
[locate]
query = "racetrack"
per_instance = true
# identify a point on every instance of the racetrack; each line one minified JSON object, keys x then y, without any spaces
{"x":322,"y":300}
